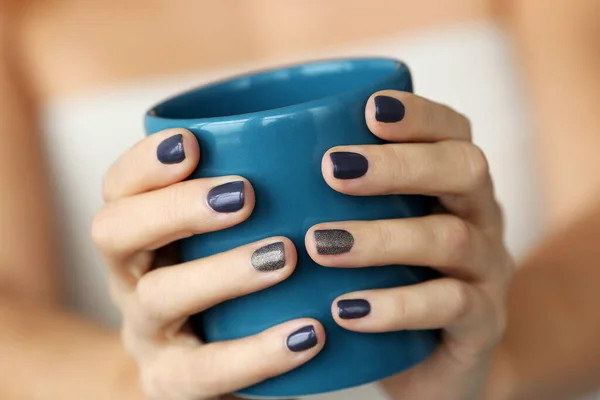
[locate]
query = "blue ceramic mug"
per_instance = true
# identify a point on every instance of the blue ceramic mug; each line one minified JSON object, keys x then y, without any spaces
{"x":273,"y":127}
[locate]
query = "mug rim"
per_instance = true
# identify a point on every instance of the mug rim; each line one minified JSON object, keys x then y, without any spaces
{"x":399,"y":66}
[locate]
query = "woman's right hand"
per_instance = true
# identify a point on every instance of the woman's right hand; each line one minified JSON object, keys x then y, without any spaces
{"x":147,"y":208}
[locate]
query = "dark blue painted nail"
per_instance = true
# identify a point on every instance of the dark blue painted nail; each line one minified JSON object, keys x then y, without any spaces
{"x":303,"y":339}
{"x":347,"y":165}
{"x":170,"y":150}
{"x":227,"y":198}
{"x":388,"y":109}
{"x":353,"y":308}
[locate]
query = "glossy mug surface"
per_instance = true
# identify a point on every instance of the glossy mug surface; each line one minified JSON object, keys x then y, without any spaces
{"x":273,"y":127}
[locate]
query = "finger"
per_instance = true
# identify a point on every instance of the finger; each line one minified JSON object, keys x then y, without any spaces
{"x":404,"y":117}
{"x":157,"y":161}
{"x":449,"y":167}
{"x":442,"y":241}
{"x":455,"y":171}
{"x":441,"y":303}
{"x":166,"y":297}
{"x":224,"y":367}
{"x":151,"y":220}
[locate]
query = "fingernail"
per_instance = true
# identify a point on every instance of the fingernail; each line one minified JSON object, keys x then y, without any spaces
{"x":347,"y":165}
{"x":333,"y":241}
{"x":170,"y":150}
{"x":227,"y":198}
{"x":269,"y":258}
{"x":388,"y":109}
{"x":353,"y":308}
{"x":303,"y":339}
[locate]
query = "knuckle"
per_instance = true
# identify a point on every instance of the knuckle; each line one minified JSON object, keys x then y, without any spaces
{"x":178,"y":200}
{"x":429,"y":116}
{"x":266,"y":344}
{"x":464,"y":125}
{"x":457,"y":241}
{"x":400,"y":168}
{"x":155,"y":382}
{"x":100,"y":231}
{"x":115,"y":293}
{"x":129,"y":339}
{"x":204,"y":379}
{"x":478,"y":167}
{"x":148,"y":299}
{"x":108,"y":191}
{"x":495,"y":312}
{"x":460,"y":299}
{"x":386,"y":237}
{"x":401,"y":308}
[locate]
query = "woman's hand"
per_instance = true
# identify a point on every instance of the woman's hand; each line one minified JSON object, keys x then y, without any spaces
{"x":432,"y":155}
{"x":148,"y":207}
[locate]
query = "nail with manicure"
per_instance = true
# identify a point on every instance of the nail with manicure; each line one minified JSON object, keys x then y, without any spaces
{"x":388,"y":109}
{"x":348,"y":165}
{"x":303,"y":339}
{"x":269,"y":258}
{"x":353,"y":308}
{"x":227,"y":198}
{"x":170,"y":150}
{"x":333,"y":241}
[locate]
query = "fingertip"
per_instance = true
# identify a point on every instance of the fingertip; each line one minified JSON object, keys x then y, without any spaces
{"x":370,"y":113}
{"x":157,"y":161}
{"x":326,"y":165}
{"x":305,"y":337}
{"x":344,"y":168}
{"x":330,"y":244}
{"x":272,"y":352}
{"x":384,"y":110}
{"x":309,"y":242}
{"x":249,"y":196}
{"x":291,"y":254}
{"x":327,"y":170}
{"x":176,"y":147}
{"x":191,"y":146}
{"x":352,"y":311}
{"x":276,"y":255}
{"x":231,"y":195}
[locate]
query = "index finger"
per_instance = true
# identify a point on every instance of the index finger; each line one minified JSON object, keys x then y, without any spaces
{"x":154,"y":162}
{"x":404,"y":117}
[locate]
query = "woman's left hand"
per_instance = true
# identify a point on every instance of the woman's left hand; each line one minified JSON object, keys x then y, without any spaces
{"x":431,"y":153}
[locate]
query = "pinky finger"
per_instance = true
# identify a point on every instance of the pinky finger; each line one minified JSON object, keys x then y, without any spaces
{"x":228,"y":366}
{"x":440,"y":303}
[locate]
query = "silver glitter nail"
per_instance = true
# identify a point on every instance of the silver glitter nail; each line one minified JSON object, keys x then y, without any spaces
{"x":269,"y":258}
{"x":333,"y":241}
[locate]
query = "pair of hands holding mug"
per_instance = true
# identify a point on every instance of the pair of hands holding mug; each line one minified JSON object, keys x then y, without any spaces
{"x":149,"y":206}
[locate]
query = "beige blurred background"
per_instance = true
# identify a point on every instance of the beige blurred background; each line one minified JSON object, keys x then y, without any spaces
{"x":72,"y":46}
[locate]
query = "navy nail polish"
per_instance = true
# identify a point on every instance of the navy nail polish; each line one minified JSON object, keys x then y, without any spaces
{"x":388,"y":109}
{"x":353,"y":308}
{"x":303,"y":339}
{"x":347,"y":165}
{"x":227,"y":198}
{"x":170,"y":150}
